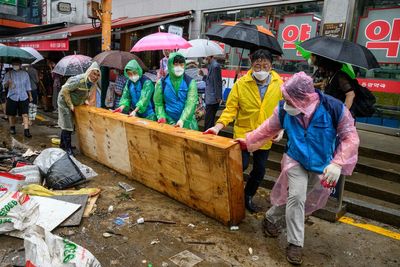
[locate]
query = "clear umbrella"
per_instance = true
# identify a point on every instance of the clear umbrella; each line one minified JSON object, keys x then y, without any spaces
{"x":34,"y":53}
{"x":72,"y":65}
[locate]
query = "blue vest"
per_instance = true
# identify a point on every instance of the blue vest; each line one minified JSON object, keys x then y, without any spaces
{"x":174,"y":101}
{"x":135,"y":90}
{"x":314,"y":146}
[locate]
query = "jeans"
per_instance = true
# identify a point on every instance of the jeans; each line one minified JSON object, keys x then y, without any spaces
{"x":260,"y":158}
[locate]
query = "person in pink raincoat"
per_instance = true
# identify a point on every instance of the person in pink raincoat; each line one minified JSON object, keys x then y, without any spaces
{"x":322,"y":145}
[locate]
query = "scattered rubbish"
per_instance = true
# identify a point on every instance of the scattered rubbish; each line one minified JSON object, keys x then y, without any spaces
{"x":29,"y":153}
{"x":149,"y":265}
{"x":250,"y":251}
{"x":121,"y":220}
{"x":234,"y":228}
{"x":144,"y":261}
{"x":13,"y":182}
{"x":164,"y":264}
{"x":186,"y":259}
{"x":55,"y":141}
{"x":107,"y":235}
{"x":76,"y":218}
{"x":159,"y":221}
{"x":156,"y":241}
{"x":18,"y":145}
{"x":38,"y":190}
{"x":112,"y":232}
{"x":91,"y":206}
{"x":198,"y":242}
{"x":30,"y":172}
{"x":140,"y":221}
{"x":110,"y":209}
{"x":255,"y":258}
{"x":126,"y":187}
{"x":191,"y":225}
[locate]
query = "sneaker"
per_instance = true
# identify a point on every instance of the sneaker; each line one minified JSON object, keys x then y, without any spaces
{"x":270,"y":229}
{"x":294,"y":254}
{"x":27,"y":134}
{"x":12,"y":130}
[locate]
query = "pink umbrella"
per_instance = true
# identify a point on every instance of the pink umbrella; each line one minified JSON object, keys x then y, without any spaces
{"x":160,"y":41}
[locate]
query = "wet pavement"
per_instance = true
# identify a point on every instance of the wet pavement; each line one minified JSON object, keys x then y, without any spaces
{"x":326,"y":244}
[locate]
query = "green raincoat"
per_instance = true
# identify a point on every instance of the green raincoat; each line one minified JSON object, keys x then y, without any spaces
{"x":146,"y":93}
{"x":74,"y":93}
{"x":188,"y":113}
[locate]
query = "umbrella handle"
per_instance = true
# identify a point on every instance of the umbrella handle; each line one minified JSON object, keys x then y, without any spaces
{"x":238,"y":68}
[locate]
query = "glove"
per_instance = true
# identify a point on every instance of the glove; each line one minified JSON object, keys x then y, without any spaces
{"x":278,"y":137}
{"x":242,"y":143}
{"x":331,"y":175}
{"x":118,"y":110}
{"x":213,"y":130}
{"x":162,"y":120}
{"x":179,"y":124}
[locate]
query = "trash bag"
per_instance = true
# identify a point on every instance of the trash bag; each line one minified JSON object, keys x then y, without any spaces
{"x":31,"y":173}
{"x":63,"y":174}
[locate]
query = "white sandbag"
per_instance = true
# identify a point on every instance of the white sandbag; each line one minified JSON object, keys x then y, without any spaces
{"x":31,"y":173}
{"x":47,"y":158}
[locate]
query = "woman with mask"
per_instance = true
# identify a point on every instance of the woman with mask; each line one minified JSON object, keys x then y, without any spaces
{"x":18,"y":97}
{"x":322,"y":144}
{"x":175,"y":96}
{"x":76,"y":91}
{"x":251,"y":101}
{"x":137,"y":93}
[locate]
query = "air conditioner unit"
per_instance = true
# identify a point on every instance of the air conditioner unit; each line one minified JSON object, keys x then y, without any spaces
{"x":92,"y":8}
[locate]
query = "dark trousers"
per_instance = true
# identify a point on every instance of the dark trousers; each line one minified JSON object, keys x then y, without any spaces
{"x":209,"y":119}
{"x":65,"y":140}
{"x":260,"y":158}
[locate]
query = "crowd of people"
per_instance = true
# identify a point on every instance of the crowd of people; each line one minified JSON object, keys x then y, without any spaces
{"x":322,"y":139}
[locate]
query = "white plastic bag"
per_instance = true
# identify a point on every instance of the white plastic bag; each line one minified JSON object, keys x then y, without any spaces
{"x":17,"y":211}
{"x":43,"y":249}
{"x":31,"y":173}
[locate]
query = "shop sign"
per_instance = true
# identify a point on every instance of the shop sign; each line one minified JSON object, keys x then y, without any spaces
{"x":35,"y":8}
{"x":64,"y":7}
{"x":334,"y":29}
{"x":175,"y":30}
{"x":44,"y":11}
{"x":299,"y":27}
{"x":9,"y":2}
{"x":47,"y":45}
{"x":379,"y":31}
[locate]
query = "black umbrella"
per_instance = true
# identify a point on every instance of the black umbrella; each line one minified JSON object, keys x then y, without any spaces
{"x":117,"y":59}
{"x":244,"y":35}
{"x":342,"y":51}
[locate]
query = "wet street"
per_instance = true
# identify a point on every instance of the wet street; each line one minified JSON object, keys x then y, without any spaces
{"x":327,"y":244}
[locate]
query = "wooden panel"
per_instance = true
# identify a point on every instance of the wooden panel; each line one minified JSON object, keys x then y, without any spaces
{"x":201,"y":171}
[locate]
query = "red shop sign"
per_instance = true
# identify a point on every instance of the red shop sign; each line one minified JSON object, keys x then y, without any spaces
{"x":47,"y":45}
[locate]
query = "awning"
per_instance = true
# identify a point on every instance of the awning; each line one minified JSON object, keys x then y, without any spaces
{"x":58,"y":40}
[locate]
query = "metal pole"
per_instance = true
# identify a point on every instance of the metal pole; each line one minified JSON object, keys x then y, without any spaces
{"x":106,"y":25}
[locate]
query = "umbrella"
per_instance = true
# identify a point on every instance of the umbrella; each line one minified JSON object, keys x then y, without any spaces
{"x":34,"y":53}
{"x":202,"y":48}
{"x":347,"y":68}
{"x":244,"y":35}
{"x":160,"y":41}
{"x":8,"y":53}
{"x":117,"y":59}
{"x":342,"y":51}
{"x":72,"y":65}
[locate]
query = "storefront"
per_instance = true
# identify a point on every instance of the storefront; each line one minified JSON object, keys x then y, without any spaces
{"x":375,"y":24}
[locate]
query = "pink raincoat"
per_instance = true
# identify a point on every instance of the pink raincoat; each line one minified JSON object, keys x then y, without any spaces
{"x":300,"y":93}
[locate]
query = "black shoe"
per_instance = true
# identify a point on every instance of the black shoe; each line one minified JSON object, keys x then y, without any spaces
{"x":248,"y":201}
{"x":12,"y":130}
{"x":27,"y":134}
{"x":294,"y":254}
{"x":69,"y":151}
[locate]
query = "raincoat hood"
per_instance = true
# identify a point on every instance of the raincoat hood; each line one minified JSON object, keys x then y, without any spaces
{"x":133,"y":65}
{"x":94,"y":66}
{"x":171,"y":66}
{"x":300,"y":92}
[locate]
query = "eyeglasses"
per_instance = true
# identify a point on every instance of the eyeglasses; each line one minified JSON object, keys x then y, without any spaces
{"x":262,"y":67}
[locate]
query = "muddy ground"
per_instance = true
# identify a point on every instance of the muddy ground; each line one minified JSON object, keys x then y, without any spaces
{"x":326,"y":244}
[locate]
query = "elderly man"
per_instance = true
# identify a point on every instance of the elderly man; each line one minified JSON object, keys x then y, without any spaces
{"x":78,"y":90}
{"x":322,"y":144}
{"x":18,"y":97}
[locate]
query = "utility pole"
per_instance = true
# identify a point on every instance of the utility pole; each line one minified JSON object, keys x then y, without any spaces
{"x":106,"y":7}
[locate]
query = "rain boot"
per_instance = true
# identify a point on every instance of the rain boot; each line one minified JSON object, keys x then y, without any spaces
{"x":248,"y":201}
{"x":62,"y":140}
{"x":68,"y":140}
{"x":27,"y":134}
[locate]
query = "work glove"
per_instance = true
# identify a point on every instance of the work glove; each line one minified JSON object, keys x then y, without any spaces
{"x":242,"y":143}
{"x":213,"y":130}
{"x":331,"y":175}
{"x":278,"y":137}
{"x":118,"y":110}
{"x":179,"y":124}
{"x":162,"y":120}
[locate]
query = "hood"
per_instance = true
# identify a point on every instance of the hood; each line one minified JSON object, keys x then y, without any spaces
{"x":133,"y":65}
{"x":171,"y":66}
{"x":92,"y":67}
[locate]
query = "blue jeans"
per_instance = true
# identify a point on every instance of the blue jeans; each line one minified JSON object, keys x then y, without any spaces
{"x":260,"y":158}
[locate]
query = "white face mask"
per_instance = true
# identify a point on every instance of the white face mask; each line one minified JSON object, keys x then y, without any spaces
{"x":309,"y":61}
{"x":16,"y":67}
{"x":178,"y":70}
{"x":292,"y":111}
{"x":261,"y":75}
{"x":134,"y":78}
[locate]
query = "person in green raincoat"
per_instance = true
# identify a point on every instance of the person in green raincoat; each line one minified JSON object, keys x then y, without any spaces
{"x":78,"y":90}
{"x":137,"y":93}
{"x":175,"y":96}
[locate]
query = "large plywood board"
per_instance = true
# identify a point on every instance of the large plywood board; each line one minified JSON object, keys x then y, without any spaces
{"x":202,"y":171}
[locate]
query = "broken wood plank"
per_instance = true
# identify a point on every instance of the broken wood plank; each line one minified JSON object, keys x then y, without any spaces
{"x":201,"y":171}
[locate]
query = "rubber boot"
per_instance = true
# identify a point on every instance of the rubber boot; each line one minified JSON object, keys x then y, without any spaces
{"x":248,"y":201}
{"x":62,"y":140}
{"x":68,"y":140}
{"x":12,"y":130}
{"x":27,"y":134}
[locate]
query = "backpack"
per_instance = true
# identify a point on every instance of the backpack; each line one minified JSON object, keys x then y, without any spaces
{"x":364,"y":101}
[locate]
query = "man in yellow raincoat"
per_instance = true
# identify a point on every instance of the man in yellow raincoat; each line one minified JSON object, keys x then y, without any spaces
{"x":252,"y":100}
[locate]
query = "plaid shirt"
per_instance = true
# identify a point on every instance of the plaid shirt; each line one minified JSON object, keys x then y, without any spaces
{"x":119,"y":88}
{"x":21,"y":85}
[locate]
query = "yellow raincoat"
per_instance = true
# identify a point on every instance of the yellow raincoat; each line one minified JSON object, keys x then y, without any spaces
{"x":244,"y":105}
